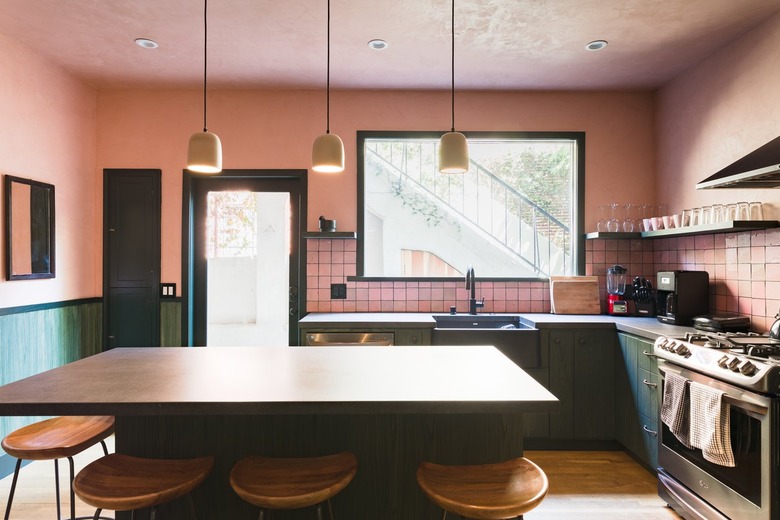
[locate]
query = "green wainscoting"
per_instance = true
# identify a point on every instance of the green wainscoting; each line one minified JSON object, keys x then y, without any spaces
{"x":170,"y":322}
{"x":36,"y":338}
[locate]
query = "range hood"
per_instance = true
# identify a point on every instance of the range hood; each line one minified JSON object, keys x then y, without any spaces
{"x":758,"y":169}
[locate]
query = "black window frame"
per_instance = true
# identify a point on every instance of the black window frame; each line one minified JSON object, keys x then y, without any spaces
{"x":578,"y":238}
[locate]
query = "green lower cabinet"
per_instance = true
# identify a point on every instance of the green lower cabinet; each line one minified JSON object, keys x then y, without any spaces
{"x":638,"y":398}
{"x":578,"y":367}
{"x":413,"y":337}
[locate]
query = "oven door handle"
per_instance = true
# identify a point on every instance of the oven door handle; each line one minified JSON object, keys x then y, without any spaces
{"x":744,"y":401}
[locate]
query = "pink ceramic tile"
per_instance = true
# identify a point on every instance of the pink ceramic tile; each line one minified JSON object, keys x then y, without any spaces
{"x":772,"y":254}
{"x":338,"y":245}
{"x":399,"y":294}
{"x":387,"y":294}
{"x":350,"y":245}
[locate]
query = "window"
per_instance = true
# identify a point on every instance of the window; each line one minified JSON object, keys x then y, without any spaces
{"x":515,"y":214}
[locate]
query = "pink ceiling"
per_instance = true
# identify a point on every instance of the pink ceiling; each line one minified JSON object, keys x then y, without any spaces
{"x":500,"y":44}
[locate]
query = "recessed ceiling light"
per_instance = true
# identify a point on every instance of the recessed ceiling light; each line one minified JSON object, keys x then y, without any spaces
{"x":596,"y":45}
{"x":378,"y":45}
{"x":146,"y":43}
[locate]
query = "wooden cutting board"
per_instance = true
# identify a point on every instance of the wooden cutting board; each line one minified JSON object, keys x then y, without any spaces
{"x":574,"y":295}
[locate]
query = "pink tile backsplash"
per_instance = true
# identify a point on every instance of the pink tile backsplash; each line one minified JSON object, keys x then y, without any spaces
{"x":744,"y":271}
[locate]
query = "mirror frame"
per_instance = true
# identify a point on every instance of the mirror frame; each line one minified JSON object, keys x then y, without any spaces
{"x":9,"y":271}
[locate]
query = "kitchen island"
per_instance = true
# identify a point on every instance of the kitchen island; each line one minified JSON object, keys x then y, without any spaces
{"x":392,"y":407}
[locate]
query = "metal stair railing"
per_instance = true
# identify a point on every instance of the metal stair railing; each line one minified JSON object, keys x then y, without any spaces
{"x":465,"y":196}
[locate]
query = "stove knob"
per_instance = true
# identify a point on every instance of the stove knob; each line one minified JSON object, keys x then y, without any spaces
{"x":734,"y":365}
{"x":683,"y":350}
{"x":748,"y":368}
{"x":723,"y":362}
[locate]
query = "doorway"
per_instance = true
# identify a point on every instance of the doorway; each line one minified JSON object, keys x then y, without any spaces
{"x":241,"y":251}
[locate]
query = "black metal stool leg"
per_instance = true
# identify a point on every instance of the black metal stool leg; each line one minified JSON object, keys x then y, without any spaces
{"x":97,"y":514}
{"x":13,"y":488}
{"x":105,"y":449}
{"x":57,"y":486}
{"x":72,"y":493}
{"x":154,"y":514}
{"x":330,"y":510}
{"x":319,"y":511}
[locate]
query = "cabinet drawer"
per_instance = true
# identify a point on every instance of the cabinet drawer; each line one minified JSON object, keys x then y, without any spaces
{"x":648,"y":393}
{"x":649,"y":445}
{"x":646,"y":361}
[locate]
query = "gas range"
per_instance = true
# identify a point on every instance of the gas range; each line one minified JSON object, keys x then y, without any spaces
{"x":747,"y":360}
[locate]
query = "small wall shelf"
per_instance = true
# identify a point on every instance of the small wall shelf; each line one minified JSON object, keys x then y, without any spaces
{"x":732,"y":226}
{"x":330,"y":234}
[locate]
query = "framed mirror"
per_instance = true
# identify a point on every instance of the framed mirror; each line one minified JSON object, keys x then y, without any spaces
{"x":29,"y":229}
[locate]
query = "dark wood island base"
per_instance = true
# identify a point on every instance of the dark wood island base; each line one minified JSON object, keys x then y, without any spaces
{"x":389,"y":447}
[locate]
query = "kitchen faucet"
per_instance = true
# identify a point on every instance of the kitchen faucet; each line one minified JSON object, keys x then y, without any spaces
{"x":471,"y":284}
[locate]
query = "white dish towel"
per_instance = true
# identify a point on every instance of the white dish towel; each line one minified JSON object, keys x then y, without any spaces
{"x":675,"y":405}
{"x":711,"y":424}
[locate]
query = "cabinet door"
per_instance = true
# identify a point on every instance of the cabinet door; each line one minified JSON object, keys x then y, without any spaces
{"x":413,"y":337}
{"x":625,"y":400}
{"x":562,"y":383}
{"x":537,"y":425}
{"x":594,"y":384}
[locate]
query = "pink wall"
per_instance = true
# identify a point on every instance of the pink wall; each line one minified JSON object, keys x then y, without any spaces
{"x":48,"y":134}
{"x":716,"y":113}
{"x":275,"y":129}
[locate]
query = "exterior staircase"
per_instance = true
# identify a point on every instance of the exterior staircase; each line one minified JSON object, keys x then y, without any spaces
{"x":486,"y":204}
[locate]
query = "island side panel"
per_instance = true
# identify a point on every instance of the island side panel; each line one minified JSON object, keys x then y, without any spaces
{"x":389,"y":448}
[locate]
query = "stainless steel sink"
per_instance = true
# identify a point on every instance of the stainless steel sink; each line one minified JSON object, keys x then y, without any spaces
{"x":517,"y":340}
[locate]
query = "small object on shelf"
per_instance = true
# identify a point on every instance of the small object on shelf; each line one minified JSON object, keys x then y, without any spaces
{"x":326,"y":225}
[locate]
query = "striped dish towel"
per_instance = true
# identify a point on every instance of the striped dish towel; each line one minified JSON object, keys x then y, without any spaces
{"x":674,"y":407}
{"x":711,"y":424}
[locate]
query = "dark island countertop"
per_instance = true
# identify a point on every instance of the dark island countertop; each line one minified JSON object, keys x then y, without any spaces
{"x":259,"y":381}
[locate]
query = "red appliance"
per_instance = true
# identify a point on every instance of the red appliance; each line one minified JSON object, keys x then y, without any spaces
{"x":616,"y":289}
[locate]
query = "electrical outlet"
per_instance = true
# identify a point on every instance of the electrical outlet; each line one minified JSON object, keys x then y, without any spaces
{"x":338,"y":291}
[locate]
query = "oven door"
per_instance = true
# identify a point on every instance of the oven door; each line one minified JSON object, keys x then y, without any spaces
{"x":695,"y":486}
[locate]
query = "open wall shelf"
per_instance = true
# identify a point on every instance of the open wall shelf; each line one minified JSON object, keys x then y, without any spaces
{"x":732,"y":226}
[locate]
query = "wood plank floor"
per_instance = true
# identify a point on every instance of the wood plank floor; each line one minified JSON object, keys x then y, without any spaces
{"x":587,"y":485}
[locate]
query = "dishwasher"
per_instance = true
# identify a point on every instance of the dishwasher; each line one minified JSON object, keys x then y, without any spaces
{"x":356,"y":339}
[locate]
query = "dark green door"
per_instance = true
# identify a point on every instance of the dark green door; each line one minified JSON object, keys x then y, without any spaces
{"x":131,"y":258}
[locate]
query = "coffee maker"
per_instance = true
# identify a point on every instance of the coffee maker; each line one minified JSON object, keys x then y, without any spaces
{"x":681,"y":295}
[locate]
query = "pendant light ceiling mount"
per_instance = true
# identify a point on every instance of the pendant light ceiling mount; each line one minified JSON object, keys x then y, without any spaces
{"x":204,"y":153}
{"x":453,"y":148}
{"x":327,"y":154}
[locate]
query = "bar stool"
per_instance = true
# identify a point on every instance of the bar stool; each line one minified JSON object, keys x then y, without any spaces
{"x":292,"y":483}
{"x":54,"y":439}
{"x":485,"y":492}
{"x":124,"y":483}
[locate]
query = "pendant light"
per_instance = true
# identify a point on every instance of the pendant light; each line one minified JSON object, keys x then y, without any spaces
{"x":453,"y":148}
{"x":204,"y":154}
{"x":327,"y":153}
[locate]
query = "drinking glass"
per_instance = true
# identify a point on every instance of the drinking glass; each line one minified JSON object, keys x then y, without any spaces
{"x":685,"y":218}
{"x":706,"y":215}
{"x":756,"y":211}
{"x":601,"y":225}
{"x":613,"y":224}
{"x":648,"y":212}
{"x":743,"y":211}
{"x":696,"y":217}
{"x":731,"y":212}
{"x":631,"y":220}
{"x":717,"y":213}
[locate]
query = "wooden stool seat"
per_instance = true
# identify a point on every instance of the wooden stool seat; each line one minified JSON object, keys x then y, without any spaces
{"x":125,"y":483}
{"x":54,"y":439}
{"x":495,"y":491}
{"x":292,"y":483}
{"x":57,"y":438}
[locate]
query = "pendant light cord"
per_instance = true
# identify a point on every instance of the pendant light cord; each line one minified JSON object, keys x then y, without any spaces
{"x":453,"y":65}
{"x":327,"y":87}
{"x":205,"y":56}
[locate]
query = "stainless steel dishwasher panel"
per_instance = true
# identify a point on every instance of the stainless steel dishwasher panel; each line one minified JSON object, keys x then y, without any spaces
{"x":356,"y":339}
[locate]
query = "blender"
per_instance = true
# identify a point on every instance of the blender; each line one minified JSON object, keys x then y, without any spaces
{"x":616,"y":288}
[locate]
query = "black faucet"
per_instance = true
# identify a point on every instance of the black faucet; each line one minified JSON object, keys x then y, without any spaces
{"x":471,"y":284}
